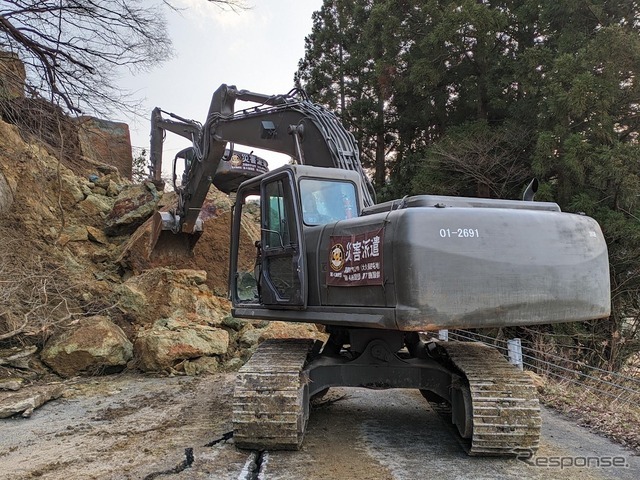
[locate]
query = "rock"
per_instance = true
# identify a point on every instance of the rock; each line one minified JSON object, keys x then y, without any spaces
{"x":200,"y":366}
{"x":11,"y":383}
{"x":251,"y":336}
{"x":168,"y":342}
{"x":164,"y":293}
{"x":133,"y":206}
{"x":70,"y":190}
{"x":190,"y":277}
{"x":105,"y":181}
{"x":97,"y":235}
{"x":132,"y":300}
{"x":233,"y":364}
{"x":93,"y":206}
{"x":12,"y":75}
{"x":107,"y":143}
{"x":26,"y":401}
{"x":73,"y":233}
{"x":17,"y":357}
{"x":112,"y":189}
{"x":96,"y":345}
{"x":107,"y":169}
{"x":234,"y":323}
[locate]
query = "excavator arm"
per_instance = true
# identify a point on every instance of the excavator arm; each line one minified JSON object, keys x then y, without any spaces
{"x":290,"y":124}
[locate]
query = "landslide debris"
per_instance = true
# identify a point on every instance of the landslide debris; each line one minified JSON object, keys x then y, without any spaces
{"x":79,"y":292}
{"x":94,"y":345}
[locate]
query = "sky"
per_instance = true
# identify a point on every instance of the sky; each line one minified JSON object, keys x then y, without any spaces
{"x":256,"y":49}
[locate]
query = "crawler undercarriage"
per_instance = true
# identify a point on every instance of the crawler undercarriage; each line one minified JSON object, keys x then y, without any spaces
{"x":491,"y":403}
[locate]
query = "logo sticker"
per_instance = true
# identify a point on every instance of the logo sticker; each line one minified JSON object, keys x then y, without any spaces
{"x":356,"y":259}
{"x":235,"y":161}
{"x":337,"y":257}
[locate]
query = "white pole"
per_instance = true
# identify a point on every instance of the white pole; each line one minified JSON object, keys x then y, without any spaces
{"x":515,"y":352}
{"x":443,"y":335}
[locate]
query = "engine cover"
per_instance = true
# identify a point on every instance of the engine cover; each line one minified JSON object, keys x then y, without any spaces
{"x":443,"y":262}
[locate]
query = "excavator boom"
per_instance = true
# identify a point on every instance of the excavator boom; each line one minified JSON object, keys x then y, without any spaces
{"x":289,"y":124}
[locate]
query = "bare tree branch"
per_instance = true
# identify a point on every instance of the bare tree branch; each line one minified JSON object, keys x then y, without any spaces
{"x":19,"y":330}
{"x":487,"y":157}
{"x":73,"y":49}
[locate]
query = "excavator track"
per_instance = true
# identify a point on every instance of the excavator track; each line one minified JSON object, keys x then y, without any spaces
{"x":271,"y":400}
{"x":504,"y":404}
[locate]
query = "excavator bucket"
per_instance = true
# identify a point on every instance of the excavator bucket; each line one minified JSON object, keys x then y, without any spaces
{"x":164,"y":242}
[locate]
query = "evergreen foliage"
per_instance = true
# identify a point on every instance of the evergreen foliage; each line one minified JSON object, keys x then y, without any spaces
{"x":467,"y":97}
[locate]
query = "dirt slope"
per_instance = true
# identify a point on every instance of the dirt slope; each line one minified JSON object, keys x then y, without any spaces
{"x":60,"y":261}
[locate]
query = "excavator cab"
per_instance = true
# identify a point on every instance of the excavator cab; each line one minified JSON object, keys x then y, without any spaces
{"x":324,"y":200}
{"x":290,"y":204}
{"x":279,"y":272}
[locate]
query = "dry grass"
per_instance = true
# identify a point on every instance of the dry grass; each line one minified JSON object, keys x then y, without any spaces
{"x":34,"y":295}
{"x":38,"y":294}
{"x":596,"y":408}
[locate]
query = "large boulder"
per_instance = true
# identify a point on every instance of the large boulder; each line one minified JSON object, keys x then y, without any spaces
{"x":12,"y":76}
{"x":162,"y":293}
{"x":106,"y":142}
{"x":133,"y":206}
{"x":95,"y":346}
{"x":171,"y":341}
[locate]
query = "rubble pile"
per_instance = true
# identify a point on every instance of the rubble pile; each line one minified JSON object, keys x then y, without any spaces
{"x":81,"y":295}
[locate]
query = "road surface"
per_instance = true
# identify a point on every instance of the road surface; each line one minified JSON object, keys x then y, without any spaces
{"x":137,"y":427}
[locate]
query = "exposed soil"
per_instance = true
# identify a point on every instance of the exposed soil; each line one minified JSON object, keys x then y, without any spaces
{"x":211,"y":253}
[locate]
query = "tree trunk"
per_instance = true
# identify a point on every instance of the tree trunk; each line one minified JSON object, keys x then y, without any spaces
{"x":380,"y":174}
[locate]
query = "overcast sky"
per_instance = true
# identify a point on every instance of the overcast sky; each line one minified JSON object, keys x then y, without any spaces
{"x":256,"y":49}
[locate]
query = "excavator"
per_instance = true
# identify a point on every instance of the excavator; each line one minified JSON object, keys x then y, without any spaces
{"x":376,"y":275}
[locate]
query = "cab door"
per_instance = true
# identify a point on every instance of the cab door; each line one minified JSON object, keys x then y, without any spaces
{"x":283,"y":269}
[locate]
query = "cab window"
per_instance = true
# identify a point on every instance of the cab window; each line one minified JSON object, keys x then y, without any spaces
{"x":278,"y":217}
{"x":326,"y":201}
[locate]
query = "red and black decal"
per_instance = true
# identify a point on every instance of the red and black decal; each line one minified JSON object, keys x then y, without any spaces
{"x":356,"y":260}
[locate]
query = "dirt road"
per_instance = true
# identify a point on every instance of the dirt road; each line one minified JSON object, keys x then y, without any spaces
{"x":134,"y":427}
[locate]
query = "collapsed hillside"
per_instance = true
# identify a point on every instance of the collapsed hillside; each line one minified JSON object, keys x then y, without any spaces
{"x":80,"y":294}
